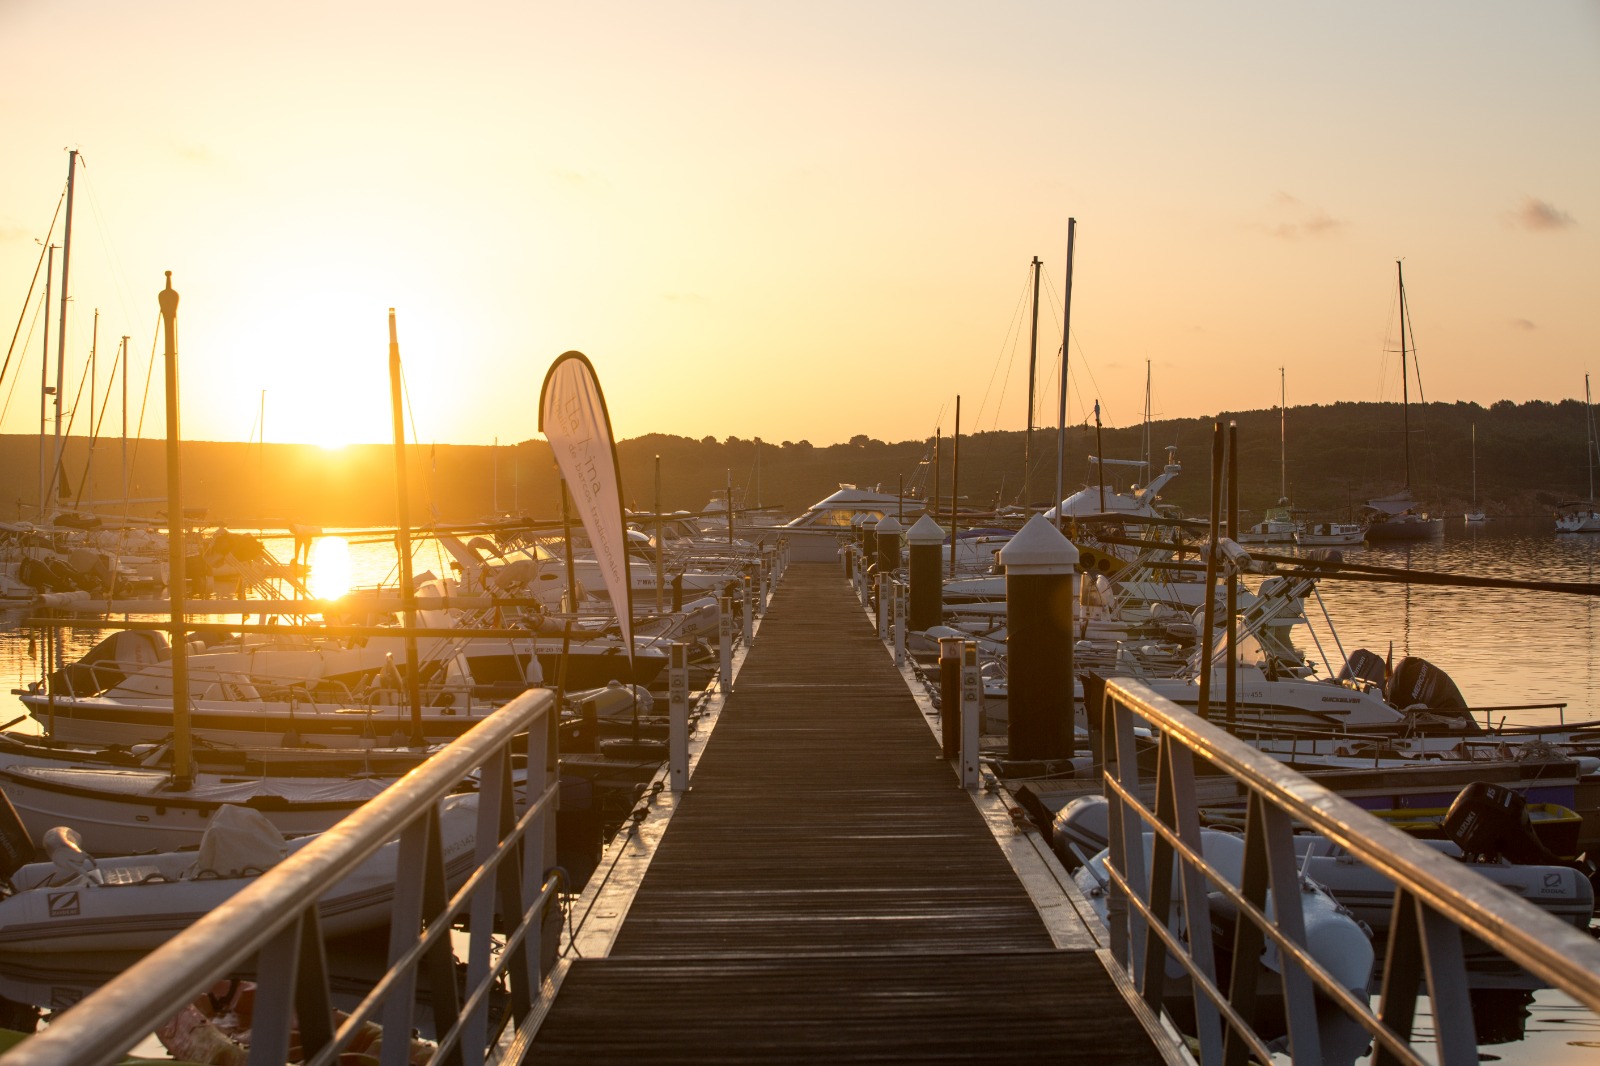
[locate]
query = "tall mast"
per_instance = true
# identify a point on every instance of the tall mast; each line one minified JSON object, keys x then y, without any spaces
{"x":408,"y":589}
{"x":1061,"y":410}
{"x":1149,"y":464}
{"x":45,"y":391}
{"x":1283,"y":445}
{"x":94,"y":428}
{"x":1588,"y":414}
{"x":1033,"y":366}
{"x":125,"y":493}
{"x":61,"y":333}
{"x":1405,"y":396}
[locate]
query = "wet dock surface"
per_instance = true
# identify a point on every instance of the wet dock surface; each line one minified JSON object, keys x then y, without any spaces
{"x":827,"y":892}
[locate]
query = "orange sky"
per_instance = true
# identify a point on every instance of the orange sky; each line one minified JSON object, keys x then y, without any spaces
{"x":802,"y":221}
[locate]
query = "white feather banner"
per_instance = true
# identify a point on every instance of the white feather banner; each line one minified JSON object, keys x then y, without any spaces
{"x":573,"y":418}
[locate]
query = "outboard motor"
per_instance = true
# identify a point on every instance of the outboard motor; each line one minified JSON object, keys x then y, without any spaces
{"x":1364,"y":665}
{"x":1487,"y":821}
{"x":16,"y":846}
{"x":1419,"y":681}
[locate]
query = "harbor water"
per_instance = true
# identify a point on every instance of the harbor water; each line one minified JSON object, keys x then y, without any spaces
{"x":1503,"y":648}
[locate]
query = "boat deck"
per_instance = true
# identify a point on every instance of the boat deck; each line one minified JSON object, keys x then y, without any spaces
{"x":826,"y":891}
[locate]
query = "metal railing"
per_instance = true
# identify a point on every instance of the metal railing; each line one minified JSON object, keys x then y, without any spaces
{"x":1437,"y":902}
{"x":509,"y":902}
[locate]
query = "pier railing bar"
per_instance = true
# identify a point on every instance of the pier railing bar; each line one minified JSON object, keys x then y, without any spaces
{"x":273,"y":919}
{"x":1197,"y":958}
{"x":1434,"y":905}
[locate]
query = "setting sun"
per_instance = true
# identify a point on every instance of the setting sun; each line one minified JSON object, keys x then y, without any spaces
{"x":330,"y":568}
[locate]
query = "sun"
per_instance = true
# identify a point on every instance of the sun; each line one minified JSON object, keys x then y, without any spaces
{"x":330,"y":568}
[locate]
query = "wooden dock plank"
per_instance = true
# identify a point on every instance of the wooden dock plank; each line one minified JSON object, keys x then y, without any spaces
{"x":826,"y":890}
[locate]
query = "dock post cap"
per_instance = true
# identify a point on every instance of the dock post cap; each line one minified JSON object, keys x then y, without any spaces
{"x":1039,"y":548}
{"x":925,"y":531}
{"x":889,"y":524}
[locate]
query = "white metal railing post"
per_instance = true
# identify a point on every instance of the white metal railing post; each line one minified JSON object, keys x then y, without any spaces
{"x":725,"y":642}
{"x":747,"y":608}
{"x":970,"y":706}
{"x":678,"y":720}
{"x":899,"y":602}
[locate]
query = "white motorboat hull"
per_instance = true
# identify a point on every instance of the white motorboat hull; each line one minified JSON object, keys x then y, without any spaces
{"x":145,"y":902}
{"x":125,"y":809}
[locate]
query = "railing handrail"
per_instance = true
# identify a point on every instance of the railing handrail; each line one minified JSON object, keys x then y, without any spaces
{"x":1542,"y":944}
{"x":105,"y":1025}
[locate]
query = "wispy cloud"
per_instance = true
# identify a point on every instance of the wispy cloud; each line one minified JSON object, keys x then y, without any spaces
{"x":12,"y":233}
{"x":1525,"y":324}
{"x":1294,"y":220}
{"x":1541,"y":216}
{"x":198,"y":154}
{"x":581,"y":179}
{"x":686,"y":297}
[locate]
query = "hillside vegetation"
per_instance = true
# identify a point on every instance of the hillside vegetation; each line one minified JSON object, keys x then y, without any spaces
{"x":1530,"y":458}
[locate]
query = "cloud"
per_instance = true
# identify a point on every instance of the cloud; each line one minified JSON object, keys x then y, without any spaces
{"x":685,"y":297}
{"x":1523,"y":324}
{"x":13,"y":233}
{"x":1541,"y":216}
{"x":581,"y":179}
{"x":198,"y":154}
{"x":1297,"y":220}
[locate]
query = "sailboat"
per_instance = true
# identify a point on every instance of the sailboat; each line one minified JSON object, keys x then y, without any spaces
{"x":1398,"y":517}
{"x":1583,"y":518}
{"x":1475,"y":516}
{"x":1278,"y":525}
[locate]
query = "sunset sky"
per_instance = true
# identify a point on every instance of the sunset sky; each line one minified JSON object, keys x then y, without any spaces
{"x":801,"y":220}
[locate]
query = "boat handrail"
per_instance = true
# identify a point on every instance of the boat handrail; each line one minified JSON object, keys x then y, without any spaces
{"x":1436,"y":902}
{"x":510,"y":900}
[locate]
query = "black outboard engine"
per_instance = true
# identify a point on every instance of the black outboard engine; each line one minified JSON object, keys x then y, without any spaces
{"x":1364,"y":665}
{"x":1487,"y":821}
{"x":1418,"y":682}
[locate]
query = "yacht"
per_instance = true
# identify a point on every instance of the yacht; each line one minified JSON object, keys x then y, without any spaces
{"x":817,"y":535}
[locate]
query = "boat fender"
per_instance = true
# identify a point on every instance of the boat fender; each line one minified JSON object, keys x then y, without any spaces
{"x":64,"y":847}
{"x":16,"y":846}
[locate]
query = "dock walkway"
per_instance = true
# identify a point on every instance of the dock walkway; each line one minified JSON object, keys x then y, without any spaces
{"x":827,"y":892}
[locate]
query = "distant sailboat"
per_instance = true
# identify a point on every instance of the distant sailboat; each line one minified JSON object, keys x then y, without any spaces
{"x":1397,"y":517}
{"x":1474,"y":516}
{"x":1278,"y":525}
{"x":1581,"y":518}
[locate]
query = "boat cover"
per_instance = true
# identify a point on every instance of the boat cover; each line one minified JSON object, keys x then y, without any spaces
{"x":238,"y":842}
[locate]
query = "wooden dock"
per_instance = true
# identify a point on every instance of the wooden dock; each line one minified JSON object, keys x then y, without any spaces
{"x":827,"y":892}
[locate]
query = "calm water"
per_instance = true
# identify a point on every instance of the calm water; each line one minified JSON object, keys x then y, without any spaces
{"x":1501,"y":647}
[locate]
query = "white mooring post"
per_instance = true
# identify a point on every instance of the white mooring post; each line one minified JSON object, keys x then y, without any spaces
{"x":678,"y":716}
{"x":899,"y":602}
{"x":725,"y":641}
{"x":765,"y":588}
{"x":970,"y":694}
{"x":747,"y":603}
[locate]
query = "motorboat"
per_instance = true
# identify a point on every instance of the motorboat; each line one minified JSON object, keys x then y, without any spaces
{"x":1277,"y":527}
{"x":1334,"y":937}
{"x":816,"y":535}
{"x":78,"y":900}
{"x":1329,"y":534}
{"x":1138,"y":501}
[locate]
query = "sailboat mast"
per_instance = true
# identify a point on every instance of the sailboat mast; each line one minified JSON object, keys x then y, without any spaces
{"x":1588,"y":414}
{"x":1474,"y":467}
{"x":1033,"y":367}
{"x":1405,"y":396}
{"x":1061,"y":409}
{"x":125,"y":492}
{"x":61,"y":333}
{"x":1283,"y":438}
{"x":44,"y":381}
